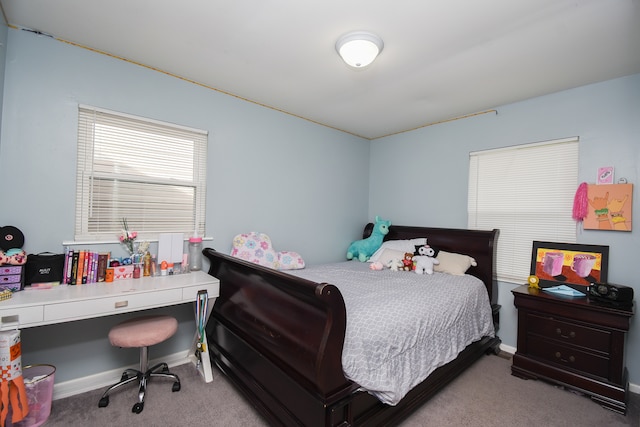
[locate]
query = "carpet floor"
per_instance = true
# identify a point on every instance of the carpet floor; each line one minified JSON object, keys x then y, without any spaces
{"x":484,"y":395}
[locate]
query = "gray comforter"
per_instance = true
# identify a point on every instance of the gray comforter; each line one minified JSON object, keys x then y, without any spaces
{"x":401,"y":326}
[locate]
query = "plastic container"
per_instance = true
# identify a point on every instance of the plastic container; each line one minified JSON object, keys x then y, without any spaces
{"x":38,"y":380}
{"x":195,"y":253}
{"x":163,"y":268}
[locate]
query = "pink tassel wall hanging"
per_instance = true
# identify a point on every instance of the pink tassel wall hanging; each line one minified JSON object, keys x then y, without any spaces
{"x":580,"y":203}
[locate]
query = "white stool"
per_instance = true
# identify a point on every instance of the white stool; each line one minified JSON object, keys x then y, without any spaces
{"x":141,"y":333}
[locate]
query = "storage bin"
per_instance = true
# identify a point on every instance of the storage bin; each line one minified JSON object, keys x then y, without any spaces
{"x":12,"y":277}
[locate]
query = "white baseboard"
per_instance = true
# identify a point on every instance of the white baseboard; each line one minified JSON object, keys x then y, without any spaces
{"x":107,"y":378}
{"x":508,"y":349}
{"x":633,"y":388}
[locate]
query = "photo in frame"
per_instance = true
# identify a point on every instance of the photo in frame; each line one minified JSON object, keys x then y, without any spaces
{"x":605,"y":175}
{"x":569,"y":264}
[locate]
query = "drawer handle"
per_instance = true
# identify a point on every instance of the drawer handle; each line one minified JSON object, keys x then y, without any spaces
{"x":572,"y":334}
{"x":122,"y":304}
{"x":14,"y":318}
{"x":572,"y":359}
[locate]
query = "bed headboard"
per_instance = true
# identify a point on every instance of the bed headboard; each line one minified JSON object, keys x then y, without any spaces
{"x":478,"y":244}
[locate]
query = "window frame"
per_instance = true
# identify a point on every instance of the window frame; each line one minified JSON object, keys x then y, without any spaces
{"x":509,"y":181}
{"x":186,"y":178}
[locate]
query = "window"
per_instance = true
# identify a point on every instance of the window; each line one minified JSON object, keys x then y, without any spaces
{"x":527,"y":192}
{"x":149,"y":172}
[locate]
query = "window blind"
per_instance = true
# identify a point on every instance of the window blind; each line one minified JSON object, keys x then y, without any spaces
{"x":527,"y":192}
{"x":150,"y":172}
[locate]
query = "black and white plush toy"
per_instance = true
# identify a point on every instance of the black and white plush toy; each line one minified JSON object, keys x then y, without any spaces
{"x":425,"y":259}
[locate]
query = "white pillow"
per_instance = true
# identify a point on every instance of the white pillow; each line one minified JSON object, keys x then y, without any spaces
{"x":389,"y":255}
{"x":453,"y":263}
{"x":398,"y":245}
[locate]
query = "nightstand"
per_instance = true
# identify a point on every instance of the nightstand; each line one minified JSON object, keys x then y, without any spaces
{"x":574,"y":342}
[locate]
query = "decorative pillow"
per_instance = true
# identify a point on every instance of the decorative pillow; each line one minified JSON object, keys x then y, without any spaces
{"x":398,"y":245}
{"x":288,"y":260}
{"x":257,"y":248}
{"x":453,"y":263}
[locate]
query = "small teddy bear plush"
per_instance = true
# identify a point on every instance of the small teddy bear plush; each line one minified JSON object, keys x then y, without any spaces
{"x":407,"y":262}
{"x":426,"y":259}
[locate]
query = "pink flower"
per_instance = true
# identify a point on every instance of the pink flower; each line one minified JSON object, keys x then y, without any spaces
{"x":127,"y":237}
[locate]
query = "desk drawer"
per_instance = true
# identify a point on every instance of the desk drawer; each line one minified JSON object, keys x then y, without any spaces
{"x":112,"y":305}
{"x":24,"y":315}
{"x":11,"y":269}
{"x":10,"y":279}
{"x":191,"y":293}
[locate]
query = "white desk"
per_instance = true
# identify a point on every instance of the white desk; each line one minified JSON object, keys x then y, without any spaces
{"x":66,"y":303}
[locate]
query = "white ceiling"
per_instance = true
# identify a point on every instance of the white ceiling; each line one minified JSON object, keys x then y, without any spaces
{"x":442,"y":59}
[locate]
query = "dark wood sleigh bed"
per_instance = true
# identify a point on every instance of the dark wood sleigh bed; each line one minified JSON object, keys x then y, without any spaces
{"x":279,"y":338}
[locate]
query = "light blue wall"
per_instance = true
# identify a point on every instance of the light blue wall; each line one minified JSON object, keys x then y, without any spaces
{"x":303,"y":184}
{"x":4,"y":30}
{"x":420,"y":177}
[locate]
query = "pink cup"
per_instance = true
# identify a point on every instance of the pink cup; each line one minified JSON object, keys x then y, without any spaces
{"x":552,"y":263}
{"x":583,"y":264}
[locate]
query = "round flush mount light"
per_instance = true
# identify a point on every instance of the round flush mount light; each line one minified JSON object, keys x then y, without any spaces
{"x":359,"y":48}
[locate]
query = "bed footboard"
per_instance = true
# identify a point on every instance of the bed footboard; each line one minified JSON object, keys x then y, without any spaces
{"x":279,"y":338}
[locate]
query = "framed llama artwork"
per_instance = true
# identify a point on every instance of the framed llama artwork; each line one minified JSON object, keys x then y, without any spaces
{"x":609,"y":207}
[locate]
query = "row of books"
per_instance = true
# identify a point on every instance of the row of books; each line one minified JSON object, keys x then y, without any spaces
{"x":83,"y":266}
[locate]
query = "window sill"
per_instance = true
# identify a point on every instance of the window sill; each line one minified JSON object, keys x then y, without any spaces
{"x":116,"y":242}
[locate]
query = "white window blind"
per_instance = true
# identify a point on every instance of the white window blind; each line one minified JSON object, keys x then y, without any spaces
{"x":527,"y":192}
{"x":149,"y":172}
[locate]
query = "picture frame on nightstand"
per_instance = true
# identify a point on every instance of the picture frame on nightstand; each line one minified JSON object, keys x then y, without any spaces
{"x":571,"y":264}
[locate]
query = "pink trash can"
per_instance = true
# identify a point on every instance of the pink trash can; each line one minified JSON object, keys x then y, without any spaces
{"x":38,"y":380}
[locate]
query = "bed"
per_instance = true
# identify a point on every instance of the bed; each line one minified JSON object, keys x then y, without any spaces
{"x":279,"y":337}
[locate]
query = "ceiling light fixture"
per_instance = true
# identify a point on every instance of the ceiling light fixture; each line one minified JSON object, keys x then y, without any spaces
{"x":359,"y":48}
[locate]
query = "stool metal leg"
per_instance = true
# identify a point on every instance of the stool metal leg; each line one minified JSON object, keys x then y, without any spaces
{"x":144,"y":358}
{"x":139,"y":405}
{"x":142,"y":376}
{"x":164,"y":373}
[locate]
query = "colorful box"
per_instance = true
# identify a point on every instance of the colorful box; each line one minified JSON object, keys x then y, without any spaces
{"x":123,"y":272}
{"x":10,"y":355}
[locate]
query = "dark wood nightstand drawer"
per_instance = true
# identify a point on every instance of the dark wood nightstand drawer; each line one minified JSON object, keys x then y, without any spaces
{"x":569,"y":357}
{"x":569,"y":332}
